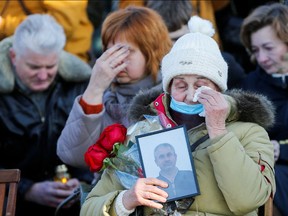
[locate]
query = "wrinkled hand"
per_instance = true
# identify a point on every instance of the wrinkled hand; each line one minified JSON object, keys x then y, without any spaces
{"x":146,"y":193}
{"x":50,"y":193}
{"x":216,"y":111}
{"x":106,"y":68}
{"x":276,"y":149}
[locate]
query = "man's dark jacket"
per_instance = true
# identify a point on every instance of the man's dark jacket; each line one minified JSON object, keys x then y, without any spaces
{"x":29,"y":132}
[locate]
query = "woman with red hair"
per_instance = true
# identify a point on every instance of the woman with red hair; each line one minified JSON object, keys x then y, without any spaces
{"x":135,"y":39}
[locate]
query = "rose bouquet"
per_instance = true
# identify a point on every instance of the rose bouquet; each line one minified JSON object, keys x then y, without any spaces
{"x":110,"y":150}
{"x":113,"y":151}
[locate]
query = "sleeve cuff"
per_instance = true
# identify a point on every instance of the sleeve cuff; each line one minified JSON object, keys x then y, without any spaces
{"x":90,"y":109}
{"x":120,"y":208}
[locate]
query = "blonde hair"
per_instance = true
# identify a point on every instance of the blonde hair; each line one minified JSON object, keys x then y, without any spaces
{"x":144,"y":28}
{"x":274,"y":15}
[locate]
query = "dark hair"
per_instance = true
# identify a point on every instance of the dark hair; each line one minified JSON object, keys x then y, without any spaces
{"x":174,"y":13}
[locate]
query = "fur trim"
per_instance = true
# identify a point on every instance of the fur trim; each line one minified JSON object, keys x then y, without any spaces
{"x":71,"y":68}
{"x":251,"y":107}
{"x":140,"y":104}
{"x":6,"y":73}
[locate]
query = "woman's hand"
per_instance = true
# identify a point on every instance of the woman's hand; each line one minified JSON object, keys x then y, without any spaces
{"x":216,"y":111}
{"x":146,"y":192}
{"x":106,"y":68}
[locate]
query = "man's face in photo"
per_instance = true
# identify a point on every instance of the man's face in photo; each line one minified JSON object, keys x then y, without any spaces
{"x":165,"y":158}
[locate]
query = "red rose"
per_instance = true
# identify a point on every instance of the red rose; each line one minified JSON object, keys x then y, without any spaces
{"x":95,"y":156}
{"x":112,"y":134}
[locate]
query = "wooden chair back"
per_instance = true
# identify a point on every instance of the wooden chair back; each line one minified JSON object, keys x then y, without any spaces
{"x":9,"y":179}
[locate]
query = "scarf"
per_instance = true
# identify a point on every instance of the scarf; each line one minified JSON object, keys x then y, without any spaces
{"x":118,"y":97}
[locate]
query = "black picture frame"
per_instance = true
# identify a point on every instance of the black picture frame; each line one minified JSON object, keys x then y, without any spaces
{"x":185,"y":183}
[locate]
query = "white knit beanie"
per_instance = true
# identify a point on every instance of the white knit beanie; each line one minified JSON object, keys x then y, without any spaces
{"x":195,"y":53}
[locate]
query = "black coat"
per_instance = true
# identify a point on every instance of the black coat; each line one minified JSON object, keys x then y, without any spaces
{"x":28,"y":136}
{"x":276,"y":89}
{"x":29,"y":139}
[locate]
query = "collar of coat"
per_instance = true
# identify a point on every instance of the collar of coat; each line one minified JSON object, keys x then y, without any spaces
{"x":244,"y":106}
{"x":71,"y":68}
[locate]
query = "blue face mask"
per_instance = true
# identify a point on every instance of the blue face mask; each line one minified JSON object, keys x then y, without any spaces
{"x":184,"y":108}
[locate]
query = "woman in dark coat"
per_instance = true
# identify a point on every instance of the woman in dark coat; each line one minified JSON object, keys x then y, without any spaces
{"x":264,"y":33}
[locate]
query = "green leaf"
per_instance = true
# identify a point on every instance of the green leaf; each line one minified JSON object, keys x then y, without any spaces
{"x":121,"y":149}
{"x":130,"y":143}
{"x":116,"y":146}
{"x":107,"y":162}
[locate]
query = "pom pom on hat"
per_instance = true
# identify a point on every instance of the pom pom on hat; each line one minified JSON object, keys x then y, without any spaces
{"x":196,"y":53}
{"x":197,"y":24}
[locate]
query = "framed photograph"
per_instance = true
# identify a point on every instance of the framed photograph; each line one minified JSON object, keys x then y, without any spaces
{"x":166,"y":155}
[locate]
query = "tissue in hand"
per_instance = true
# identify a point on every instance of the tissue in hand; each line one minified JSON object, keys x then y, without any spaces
{"x":198,"y":91}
